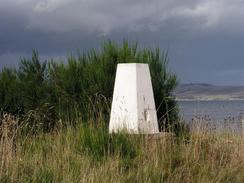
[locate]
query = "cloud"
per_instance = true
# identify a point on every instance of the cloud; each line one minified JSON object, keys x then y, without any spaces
{"x":130,"y":15}
{"x":204,"y":36}
{"x":104,"y":16}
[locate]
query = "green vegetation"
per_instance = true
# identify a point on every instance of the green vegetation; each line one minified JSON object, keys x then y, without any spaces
{"x":87,"y":153}
{"x":53,"y":126}
{"x":54,"y":117}
{"x":41,"y":94}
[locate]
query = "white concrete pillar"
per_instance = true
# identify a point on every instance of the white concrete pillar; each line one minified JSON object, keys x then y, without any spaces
{"x":133,"y":107}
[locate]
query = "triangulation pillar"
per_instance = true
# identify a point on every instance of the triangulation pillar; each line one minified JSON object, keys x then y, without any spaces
{"x":133,"y":107}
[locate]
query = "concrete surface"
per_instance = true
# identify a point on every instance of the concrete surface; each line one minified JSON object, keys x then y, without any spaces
{"x":133,"y":107}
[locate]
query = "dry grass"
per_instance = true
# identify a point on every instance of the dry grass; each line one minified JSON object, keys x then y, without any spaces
{"x":88,"y":154}
{"x":8,"y":133}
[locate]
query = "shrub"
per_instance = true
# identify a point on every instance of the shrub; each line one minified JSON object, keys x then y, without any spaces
{"x":84,"y":86}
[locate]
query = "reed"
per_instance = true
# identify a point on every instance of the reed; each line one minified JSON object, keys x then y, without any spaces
{"x":8,"y":136}
{"x":87,"y":153}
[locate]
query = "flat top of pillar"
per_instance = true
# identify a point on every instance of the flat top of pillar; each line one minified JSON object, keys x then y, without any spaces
{"x":133,"y":64}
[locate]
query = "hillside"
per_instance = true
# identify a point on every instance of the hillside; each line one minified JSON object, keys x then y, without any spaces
{"x":202,"y":91}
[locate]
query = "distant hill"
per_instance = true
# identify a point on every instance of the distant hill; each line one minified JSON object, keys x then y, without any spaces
{"x":203,"y":91}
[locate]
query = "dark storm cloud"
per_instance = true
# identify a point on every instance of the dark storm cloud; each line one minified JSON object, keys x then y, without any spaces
{"x":204,"y":37}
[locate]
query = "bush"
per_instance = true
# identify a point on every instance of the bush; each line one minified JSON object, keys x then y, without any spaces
{"x":83,"y":87}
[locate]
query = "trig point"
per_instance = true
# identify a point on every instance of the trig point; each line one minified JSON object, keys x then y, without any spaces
{"x":133,"y":108}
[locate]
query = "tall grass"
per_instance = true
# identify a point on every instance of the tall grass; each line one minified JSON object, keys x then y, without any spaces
{"x":87,"y":153}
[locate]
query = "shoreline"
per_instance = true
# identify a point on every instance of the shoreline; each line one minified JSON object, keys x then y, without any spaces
{"x":207,"y":100}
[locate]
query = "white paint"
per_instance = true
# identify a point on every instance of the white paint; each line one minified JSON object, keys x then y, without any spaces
{"x":133,"y":107}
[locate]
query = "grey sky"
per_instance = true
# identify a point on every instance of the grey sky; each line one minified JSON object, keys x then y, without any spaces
{"x":205,"y":38}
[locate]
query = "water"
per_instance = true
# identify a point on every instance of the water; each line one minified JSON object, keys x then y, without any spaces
{"x":218,"y":114}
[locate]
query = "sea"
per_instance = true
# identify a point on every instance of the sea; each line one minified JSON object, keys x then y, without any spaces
{"x":216,"y":115}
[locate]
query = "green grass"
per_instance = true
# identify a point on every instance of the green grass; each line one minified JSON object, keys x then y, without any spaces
{"x":88,"y":153}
